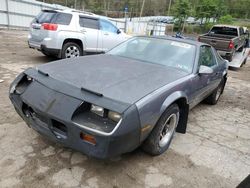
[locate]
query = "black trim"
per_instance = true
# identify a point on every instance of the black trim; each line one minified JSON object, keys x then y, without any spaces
{"x":50,"y":51}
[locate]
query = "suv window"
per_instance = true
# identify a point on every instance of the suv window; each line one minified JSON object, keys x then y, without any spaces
{"x":206,"y":56}
{"x":53,"y":17}
{"x":91,"y":23}
{"x":62,"y":18}
{"x":107,"y":26}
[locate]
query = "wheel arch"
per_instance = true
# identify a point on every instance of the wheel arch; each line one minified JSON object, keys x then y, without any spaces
{"x":75,"y":40}
{"x":181,"y":99}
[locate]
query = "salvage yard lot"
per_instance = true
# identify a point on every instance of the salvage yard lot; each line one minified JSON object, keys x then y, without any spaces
{"x":215,"y":151}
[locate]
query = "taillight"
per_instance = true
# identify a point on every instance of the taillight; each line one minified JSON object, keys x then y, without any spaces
{"x":49,"y":26}
{"x":199,"y":39}
{"x":231,"y":45}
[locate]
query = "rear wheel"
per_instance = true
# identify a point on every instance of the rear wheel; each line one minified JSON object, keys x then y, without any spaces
{"x":214,"y":97}
{"x":71,"y":49}
{"x":241,"y":48}
{"x":161,"y":136}
{"x":230,"y":57}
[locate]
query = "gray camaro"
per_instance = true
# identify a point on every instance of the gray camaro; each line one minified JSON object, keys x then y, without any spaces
{"x":139,"y":93}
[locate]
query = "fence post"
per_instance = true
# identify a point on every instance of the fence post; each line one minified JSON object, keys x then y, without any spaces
{"x":7,"y":12}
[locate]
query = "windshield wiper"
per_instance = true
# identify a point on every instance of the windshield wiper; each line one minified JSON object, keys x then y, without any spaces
{"x":93,"y":92}
{"x":43,"y":73}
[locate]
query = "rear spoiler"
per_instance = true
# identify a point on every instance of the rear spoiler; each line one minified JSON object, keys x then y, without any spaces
{"x":52,"y":11}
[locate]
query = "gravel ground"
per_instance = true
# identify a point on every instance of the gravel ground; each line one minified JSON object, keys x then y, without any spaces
{"x":215,"y":152}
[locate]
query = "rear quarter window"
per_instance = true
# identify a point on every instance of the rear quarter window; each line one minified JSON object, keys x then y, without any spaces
{"x":89,"y":22}
{"x":62,"y":18}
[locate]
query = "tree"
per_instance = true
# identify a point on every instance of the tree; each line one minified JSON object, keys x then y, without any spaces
{"x":181,"y":10}
{"x":227,"y":19}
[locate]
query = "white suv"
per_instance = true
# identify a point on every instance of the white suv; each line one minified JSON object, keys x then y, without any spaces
{"x":71,"y":33}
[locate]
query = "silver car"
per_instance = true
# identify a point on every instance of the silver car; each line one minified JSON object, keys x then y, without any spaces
{"x":71,"y":33}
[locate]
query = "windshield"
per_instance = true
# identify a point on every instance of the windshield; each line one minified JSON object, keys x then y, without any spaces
{"x":158,"y":51}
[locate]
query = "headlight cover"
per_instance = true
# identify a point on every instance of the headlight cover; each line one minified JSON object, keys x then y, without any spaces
{"x":100,"y":111}
{"x":20,"y":84}
{"x":97,"y":110}
{"x":114,"y":116}
{"x":12,"y":88}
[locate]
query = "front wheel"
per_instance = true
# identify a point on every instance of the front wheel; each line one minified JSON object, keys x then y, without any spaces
{"x":161,"y":136}
{"x":71,"y":49}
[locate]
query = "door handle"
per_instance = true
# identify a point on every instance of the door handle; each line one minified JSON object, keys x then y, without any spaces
{"x":83,"y":31}
{"x":106,"y":34}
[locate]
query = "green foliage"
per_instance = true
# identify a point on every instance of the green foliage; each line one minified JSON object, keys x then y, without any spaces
{"x":227,"y":19}
{"x":208,"y":9}
{"x":181,"y":12}
{"x":199,"y":8}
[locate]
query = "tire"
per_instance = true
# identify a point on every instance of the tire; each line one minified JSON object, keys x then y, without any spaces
{"x":230,"y":58}
{"x":241,"y":48}
{"x":215,"y":96}
{"x":156,"y":143}
{"x":48,"y":54}
{"x":71,"y":49}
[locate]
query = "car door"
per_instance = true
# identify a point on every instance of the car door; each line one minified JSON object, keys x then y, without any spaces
{"x":205,"y":84}
{"x":110,"y":35}
{"x":242,"y":37}
{"x":89,"y":27}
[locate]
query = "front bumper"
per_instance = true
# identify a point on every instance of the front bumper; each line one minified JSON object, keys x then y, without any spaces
{"x":48,"y":108}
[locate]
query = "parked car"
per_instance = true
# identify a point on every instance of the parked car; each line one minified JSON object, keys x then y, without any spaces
{"x":138,"y":93}
{"x":226,"y":39}
{"x":70,"y":33}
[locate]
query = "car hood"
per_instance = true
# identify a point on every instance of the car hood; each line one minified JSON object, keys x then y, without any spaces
{"x":114,"y":77}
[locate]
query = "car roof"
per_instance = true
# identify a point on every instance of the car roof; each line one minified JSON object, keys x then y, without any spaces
{"x":73,"y":11}
{"x":188,"y":41}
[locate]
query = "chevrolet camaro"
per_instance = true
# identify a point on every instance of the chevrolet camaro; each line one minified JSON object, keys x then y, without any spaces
{"x":137,"y":94}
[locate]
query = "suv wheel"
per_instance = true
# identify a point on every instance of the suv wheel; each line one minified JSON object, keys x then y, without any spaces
{"x":161,"y":136}
{"x":71,"y":49}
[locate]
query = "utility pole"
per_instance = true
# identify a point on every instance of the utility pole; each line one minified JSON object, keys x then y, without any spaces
{"x":169,"y":7}
{"x":8,"y":14}
{"x":142,"y":7}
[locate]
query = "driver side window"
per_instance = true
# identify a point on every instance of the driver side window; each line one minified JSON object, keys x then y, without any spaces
{"x":206,"y":57}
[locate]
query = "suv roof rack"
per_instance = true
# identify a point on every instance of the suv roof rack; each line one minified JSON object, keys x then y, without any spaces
{"x":83,"y":12}
{"x":49,"y":10}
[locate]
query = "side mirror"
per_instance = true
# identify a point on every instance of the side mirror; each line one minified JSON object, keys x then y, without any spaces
{"x":118,"y":31}
{"x":205,"y":70}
